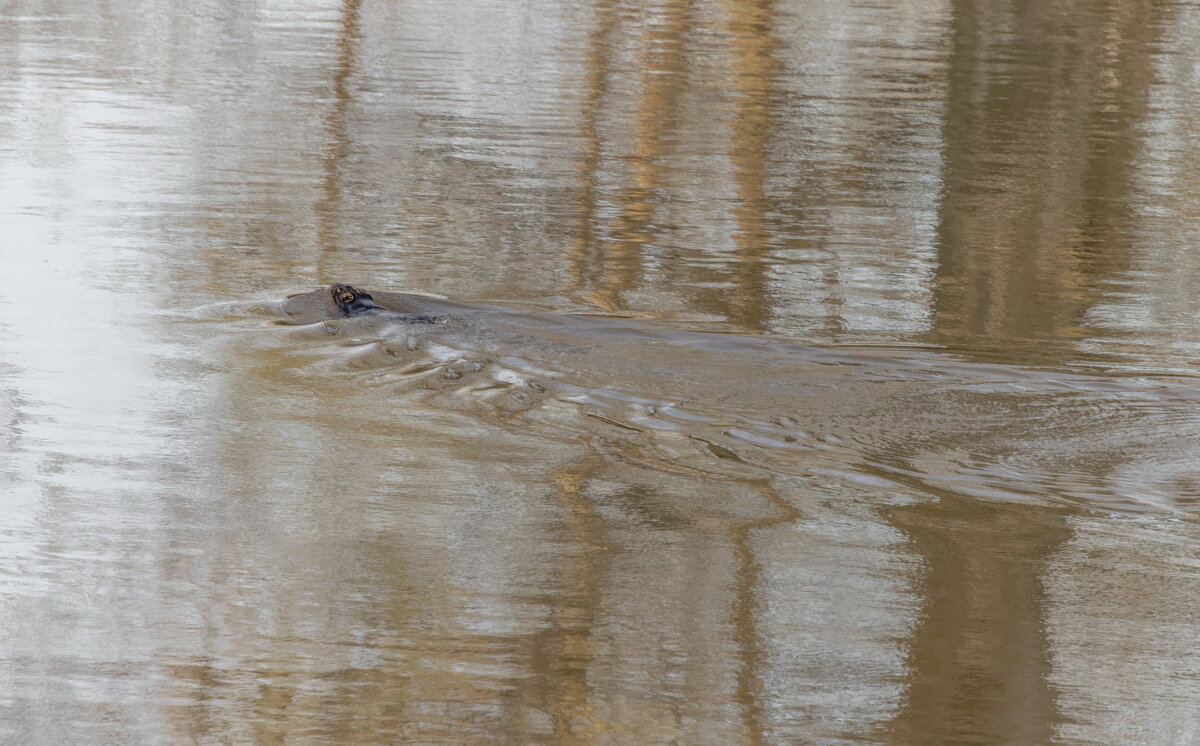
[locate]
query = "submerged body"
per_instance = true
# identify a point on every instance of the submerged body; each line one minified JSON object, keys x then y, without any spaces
{"x":918,"y":420}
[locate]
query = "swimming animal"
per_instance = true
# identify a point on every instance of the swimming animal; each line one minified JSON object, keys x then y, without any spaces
{"x":351,"y":301}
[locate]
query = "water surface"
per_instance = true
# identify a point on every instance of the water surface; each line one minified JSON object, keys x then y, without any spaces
{"x":803,"y":372}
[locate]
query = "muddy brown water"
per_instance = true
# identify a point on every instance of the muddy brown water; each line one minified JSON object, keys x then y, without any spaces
{"x":801,"y":372}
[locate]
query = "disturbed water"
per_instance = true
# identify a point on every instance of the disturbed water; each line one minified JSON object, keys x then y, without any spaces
{"x":901,"y":419}
{"x":781,"y":372}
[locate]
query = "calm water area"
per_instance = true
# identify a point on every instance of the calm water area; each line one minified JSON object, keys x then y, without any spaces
{"x":763,"y":372}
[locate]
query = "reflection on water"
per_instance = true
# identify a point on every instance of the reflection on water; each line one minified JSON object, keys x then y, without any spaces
{"x":862,"y":412}
{"x":978,"y":661}
{"x":1058,"y":235}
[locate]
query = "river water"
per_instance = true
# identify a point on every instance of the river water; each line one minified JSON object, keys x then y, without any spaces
{"x":785,"y":372}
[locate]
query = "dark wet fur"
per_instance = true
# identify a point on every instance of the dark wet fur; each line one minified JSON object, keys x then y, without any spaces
{"x":351,"y":301}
